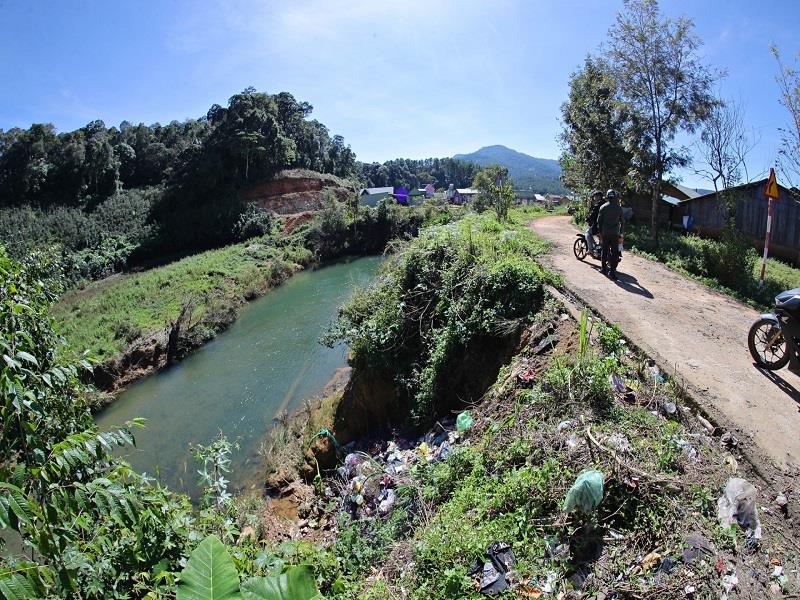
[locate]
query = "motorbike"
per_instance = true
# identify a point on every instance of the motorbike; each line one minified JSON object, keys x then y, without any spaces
{"x":581,"y":247}
{"x":774,"y":337}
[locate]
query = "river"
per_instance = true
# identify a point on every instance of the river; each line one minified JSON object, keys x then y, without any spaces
{"x":269,"y":360}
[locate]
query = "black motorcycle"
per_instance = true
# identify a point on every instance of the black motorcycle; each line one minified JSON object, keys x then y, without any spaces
{"x":581,"y":248}
{"x":774,"y":337}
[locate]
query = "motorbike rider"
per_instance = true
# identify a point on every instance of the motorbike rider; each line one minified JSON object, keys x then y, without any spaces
{"x":591,"y":219}
{"x":609,"y":224}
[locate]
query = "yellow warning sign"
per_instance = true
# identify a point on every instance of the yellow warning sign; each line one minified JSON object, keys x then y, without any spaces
{"x":771,"y":189}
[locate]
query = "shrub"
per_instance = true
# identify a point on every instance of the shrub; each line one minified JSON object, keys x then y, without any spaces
{"x":253,"y":222}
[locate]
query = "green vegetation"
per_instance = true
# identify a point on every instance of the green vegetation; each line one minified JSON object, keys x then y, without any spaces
{"x":729,"y":265}
{"x":110,"y":197}
{"x":413,"y":174}
{"x":451,"y":296}
{"x":495,"y":191}
{"x":105,"y":317}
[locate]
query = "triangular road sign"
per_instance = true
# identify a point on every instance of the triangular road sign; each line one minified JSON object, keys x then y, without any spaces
{"x":771,"y":189}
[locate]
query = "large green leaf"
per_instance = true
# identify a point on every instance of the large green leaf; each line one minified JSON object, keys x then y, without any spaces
{"x":297,"y":583}
{"x":209,"y":574}
{"x":16,"y":587}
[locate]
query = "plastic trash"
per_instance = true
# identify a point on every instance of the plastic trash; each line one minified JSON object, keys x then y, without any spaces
{"x":619,"y":443}
{"x":687,"y":449}
{"x":586,"y":493}
{"x":617,"y":383}
{"x":464,"y":421}
{"x":493,"y":573}
{"x":696,"y":547}
{"x":564,"y":425}
{"x":738,"y":505}
{"x":389,"y":497}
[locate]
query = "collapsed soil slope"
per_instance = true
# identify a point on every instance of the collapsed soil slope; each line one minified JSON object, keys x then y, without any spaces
{"x":693,"y":332}
{"x":297,"y":191}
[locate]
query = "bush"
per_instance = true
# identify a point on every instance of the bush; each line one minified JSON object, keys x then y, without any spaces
{"x":253,"y":222}
{"x":452,"y":295}
{"x":731,"y":261}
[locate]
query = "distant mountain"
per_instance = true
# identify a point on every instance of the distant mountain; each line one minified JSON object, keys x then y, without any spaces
{"x":539,"y":174}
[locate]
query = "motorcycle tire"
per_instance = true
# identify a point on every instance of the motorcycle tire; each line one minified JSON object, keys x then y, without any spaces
{"x":766,"y":326}
{"x":580,"y":248}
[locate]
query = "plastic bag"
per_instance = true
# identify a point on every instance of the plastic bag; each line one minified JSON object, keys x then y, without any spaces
{"x":738,"y":505}
{"x":464,"y":421}
{"x":586,"y":493}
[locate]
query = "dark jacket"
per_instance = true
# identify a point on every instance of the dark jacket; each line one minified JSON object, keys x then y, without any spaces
{"x":591,"y":219}
{"x":609,"y":219}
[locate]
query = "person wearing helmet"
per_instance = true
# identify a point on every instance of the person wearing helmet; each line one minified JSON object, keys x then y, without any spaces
{"x":609,"y":224}
{"x":591,"y":219}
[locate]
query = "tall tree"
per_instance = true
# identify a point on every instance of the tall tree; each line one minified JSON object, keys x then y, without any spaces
{"x":656,"y":63}
{"x":724,"y":145}
{"x":494,"y":189}
{"x":789,"y":82}
{"x":593,"y":140}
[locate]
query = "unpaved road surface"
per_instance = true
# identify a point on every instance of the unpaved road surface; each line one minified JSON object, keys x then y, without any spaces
{"x":694,"y":333}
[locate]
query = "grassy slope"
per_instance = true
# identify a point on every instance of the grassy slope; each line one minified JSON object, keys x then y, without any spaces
{"x":104,"y":316}
{"x":682,"y":254}
{"x":508,"y":478}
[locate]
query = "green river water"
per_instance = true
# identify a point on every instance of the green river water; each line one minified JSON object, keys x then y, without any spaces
{"x":269,"y":360}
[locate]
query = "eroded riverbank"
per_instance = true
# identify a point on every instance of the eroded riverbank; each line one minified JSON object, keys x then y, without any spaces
{"x":266,"y":363}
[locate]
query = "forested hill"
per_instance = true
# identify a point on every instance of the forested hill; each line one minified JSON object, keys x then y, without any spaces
{"x":148,"y":191}
{"x":539,"y":174}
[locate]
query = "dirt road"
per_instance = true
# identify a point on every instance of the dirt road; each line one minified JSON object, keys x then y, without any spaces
{"x":695,"y":332}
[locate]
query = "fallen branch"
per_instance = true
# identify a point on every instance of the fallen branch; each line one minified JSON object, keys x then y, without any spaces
{"x":631,"y":468}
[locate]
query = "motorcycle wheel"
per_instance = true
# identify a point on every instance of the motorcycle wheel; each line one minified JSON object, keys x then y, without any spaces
{"x":580,"y":248}
{"x":767,"y":345}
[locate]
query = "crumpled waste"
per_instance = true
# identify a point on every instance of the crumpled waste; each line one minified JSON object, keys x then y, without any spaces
{"x":493,"y":573}
{"x":696,"y":547}
{"x":655,"y":374}
{"x":371,"y":478}
{"x":738,"y":505}
{"x":586,"y":493}
{"x":617,"y":383}
{"x":650,"y":561}
{"x":619,"y":442}
{"x":688,"y":450}
{"x":464,"y":422}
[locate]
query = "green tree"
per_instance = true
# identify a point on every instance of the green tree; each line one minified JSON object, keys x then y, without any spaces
{"x":656,"y":63}
{"x":494,"y":189}
{"x":593,"y":139}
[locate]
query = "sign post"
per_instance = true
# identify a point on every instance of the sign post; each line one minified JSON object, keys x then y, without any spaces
{"x":771,"y":192}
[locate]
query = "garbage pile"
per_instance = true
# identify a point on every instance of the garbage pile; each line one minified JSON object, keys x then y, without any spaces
{"x":371,"y":478}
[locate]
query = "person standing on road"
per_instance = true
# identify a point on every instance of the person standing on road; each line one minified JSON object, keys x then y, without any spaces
{"x":609,"y":224}
{"x":591,"y":219}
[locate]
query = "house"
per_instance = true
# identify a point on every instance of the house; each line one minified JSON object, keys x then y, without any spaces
{"x":427,"y":191}
{"x":708,"y":213}
{"x":464,"y":195}
{"x":377,"y":190}
{"x":669,"y":213}
{"x":372,"y":200}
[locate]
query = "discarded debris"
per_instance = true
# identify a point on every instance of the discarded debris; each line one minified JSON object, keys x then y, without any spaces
{"x":617,"y":383}
{"x":586,"y":493}
{"x":493,"y":573}
{"x":737,"y":505}
{"x":464,"y":422}
{"x":650,"y":561}
{"x":696,"y":547}
{"x":547,"y":343}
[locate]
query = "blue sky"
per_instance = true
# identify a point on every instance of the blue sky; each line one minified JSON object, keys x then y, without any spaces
{"x":415,"y":78}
